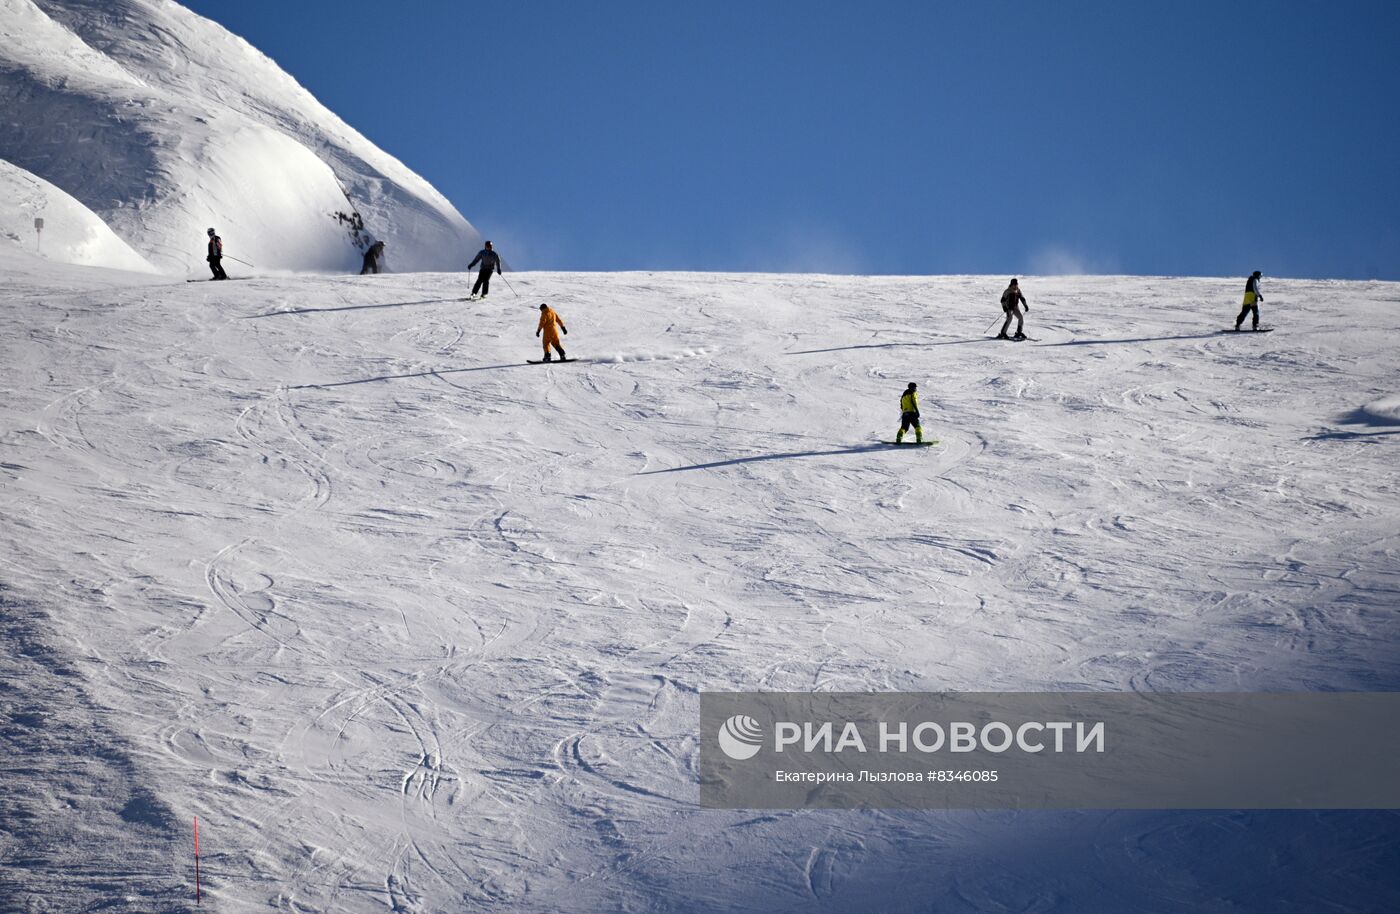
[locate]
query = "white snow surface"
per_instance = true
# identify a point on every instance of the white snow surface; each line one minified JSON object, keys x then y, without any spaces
{"x":164,"y":124}
{"x":72,"y":233}
{"x":413,"y":626}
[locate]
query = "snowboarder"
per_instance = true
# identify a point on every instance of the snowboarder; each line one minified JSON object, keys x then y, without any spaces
{"x":374,"y":259}
{"x":1011,"y":302}
{"x":909,"y":414}
{"x":1252,"y":298}
{"x":216,"y":255}
{"x":490,"y":262}
{"x":550,"y":325}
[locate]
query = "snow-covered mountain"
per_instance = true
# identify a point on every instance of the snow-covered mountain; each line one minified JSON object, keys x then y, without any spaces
{"x":163,"y":123}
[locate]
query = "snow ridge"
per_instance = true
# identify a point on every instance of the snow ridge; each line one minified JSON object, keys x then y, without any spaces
{"x":72,"y":233}
{"x":164,"y":123}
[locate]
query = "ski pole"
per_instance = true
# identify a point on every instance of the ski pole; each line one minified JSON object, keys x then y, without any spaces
{"x":509,"y":286}
{"x":244,"y":262}
{"x":989,"y":329}
{"x":196,"y":860}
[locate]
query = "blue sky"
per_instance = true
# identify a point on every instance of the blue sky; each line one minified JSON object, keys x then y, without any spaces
{"x":1000,"y":137}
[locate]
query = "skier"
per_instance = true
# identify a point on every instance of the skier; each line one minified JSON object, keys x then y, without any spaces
{"x":374,"y":259}
{"x":490,"y":261}
{"x":1011,"y":302}
{"x":550,"y":325}
{"x":216,"y":255}
{"x":909,"y":414}
{"x":1252,"y":298}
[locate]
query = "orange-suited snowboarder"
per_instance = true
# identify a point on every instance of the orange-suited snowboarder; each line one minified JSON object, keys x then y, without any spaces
{"x":550,"y":325}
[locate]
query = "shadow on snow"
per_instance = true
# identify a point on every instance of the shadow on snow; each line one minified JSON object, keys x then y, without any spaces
{"x":1349,"y":436}
{"x":1385,"y":425}
{"x":401,"y":377}
{"x":979,"y":339}
{"x":395,"y":304}
{"x":1144,"y":339}
{"x":863,"y":449}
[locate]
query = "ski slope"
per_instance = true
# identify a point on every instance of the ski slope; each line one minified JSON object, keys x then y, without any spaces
{"x":412,"y":626}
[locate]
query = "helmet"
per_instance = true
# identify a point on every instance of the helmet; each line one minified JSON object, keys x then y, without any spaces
{"x":211,"y":232}
{"x":913,"y":386}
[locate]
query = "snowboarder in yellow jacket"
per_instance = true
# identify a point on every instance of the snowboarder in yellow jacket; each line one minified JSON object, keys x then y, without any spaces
{"x":1252,"y":298}
{"x":909,"y":414}
{"x":550,"y":325}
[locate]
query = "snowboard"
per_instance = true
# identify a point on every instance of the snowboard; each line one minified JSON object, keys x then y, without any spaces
{"x":550,"y":362}
{"x":1243,"y":332}
{"x":930,"y":443}
{"x":230,"y":279}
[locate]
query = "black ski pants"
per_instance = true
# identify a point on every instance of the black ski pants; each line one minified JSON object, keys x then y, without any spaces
{"x":483,"y":282}
{"x":217,"y":267}
{"x":1244,"y":312}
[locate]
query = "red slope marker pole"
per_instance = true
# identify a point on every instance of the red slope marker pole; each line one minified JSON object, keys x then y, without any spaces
{"x":196,"y":860}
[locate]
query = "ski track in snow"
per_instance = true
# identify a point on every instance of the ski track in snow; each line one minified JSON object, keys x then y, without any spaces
{"x":413,"y":626}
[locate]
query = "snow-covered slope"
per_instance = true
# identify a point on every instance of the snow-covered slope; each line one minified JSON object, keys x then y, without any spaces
{"x":163,"y":124}
{"x":72,"y":233}
{"x":412,"y":626}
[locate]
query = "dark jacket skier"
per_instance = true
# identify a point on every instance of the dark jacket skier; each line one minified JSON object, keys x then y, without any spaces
{"x":1011,"y":302}
{"x":216,"y":255}
{"x":374,"y":259}
{"x":909,"y":414}
{"x":490,"y":262}
{"x":1252,"y":298}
